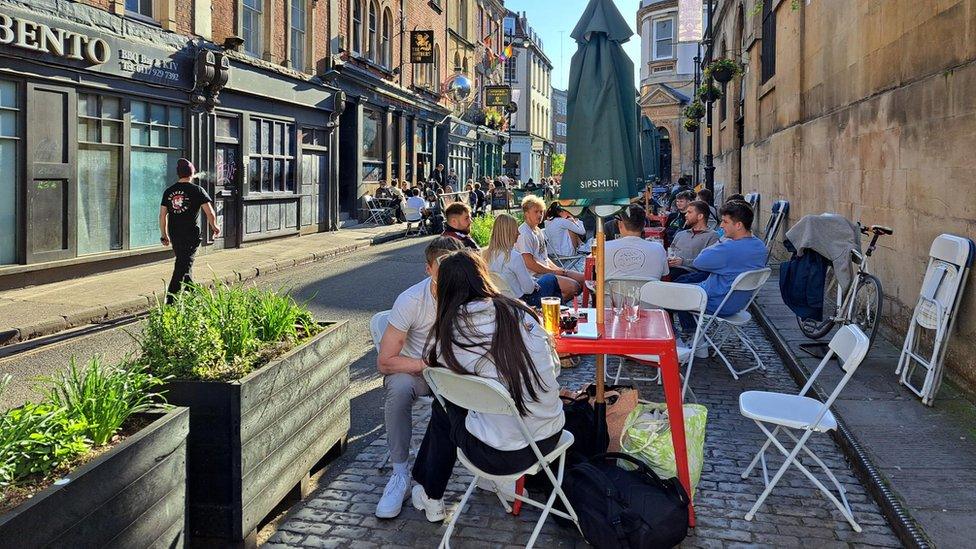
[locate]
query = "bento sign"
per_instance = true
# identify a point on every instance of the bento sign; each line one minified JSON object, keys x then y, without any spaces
{"x":28,"y":35}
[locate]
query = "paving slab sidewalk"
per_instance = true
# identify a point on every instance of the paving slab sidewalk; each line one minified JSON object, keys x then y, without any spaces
{"x":924,"y":458}
{"x":45,"y":309}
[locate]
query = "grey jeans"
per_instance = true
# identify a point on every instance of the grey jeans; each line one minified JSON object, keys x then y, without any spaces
{"x":401,"y":392}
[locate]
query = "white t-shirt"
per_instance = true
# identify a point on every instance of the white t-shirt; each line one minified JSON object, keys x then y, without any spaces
{"x":532,"y":242}
{"x":414,"y":312}
{"x":632,"y":257}
{"x":557,"y":232}
{"x":416,"y":202}
{"x":545,"y":416}
{"x":511,"y":268}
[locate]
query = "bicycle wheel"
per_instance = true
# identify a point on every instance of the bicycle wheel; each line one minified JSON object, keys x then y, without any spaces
{"x":867,"y":306}
{"x":833,"y":297}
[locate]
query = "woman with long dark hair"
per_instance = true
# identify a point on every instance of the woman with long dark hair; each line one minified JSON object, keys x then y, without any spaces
{"x":482,"y":333}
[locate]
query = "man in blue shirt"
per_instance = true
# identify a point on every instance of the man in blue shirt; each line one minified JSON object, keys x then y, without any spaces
{"x":724,"y":261}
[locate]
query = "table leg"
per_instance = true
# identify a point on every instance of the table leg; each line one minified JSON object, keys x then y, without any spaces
{"x":672,"y":396}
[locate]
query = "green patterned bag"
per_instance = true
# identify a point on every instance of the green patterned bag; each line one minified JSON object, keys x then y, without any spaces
{"x":647,"y":437}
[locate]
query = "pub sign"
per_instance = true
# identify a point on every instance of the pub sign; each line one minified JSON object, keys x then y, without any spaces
{"x":422,"y":46}
{"x":498,"y":96}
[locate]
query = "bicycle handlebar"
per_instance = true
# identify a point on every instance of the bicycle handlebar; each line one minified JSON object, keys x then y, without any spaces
{"x":878,"y":230}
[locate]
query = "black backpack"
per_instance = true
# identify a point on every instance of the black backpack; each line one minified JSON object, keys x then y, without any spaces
{"x":626,"y":509}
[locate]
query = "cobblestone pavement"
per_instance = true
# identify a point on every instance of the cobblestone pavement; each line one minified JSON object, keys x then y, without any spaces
{"x":340,"y":514}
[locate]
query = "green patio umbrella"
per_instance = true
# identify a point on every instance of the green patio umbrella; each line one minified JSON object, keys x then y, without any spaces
{"x":601,"y":120}
{"x":601,"y":142}
{"x":650,"y":140}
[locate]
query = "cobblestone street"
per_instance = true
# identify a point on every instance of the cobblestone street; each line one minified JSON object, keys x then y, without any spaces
{"x":340,"y":514}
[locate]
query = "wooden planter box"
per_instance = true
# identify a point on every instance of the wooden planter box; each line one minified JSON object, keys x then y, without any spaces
{"x":254,"y":440}
{"x":134,"y":495}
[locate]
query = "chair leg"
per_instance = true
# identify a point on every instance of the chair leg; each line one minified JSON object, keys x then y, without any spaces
{"x":759,"y":454}
{"x":620,"y":367}
{"x":446,"y":540}
{"x":718,"y":353}
{"x":828,"y":472}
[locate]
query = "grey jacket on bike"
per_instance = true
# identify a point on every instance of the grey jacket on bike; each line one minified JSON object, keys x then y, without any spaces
{"x":830,"y":235}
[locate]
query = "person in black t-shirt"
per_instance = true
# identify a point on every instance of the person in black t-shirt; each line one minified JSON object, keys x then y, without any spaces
{"x":179,"y":213}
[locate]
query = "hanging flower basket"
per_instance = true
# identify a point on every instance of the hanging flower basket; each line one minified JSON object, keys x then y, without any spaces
{"x":723,"y":70}
{"x":691,"y":125}
{"x":695,"y":110}
{"x":709,"y":93}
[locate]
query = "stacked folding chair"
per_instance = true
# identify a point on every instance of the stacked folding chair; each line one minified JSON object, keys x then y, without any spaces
{"x":950,"y":259}
{"x":777,"y":215}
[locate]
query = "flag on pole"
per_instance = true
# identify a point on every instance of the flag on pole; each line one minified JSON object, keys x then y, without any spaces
{"x":509,"y":52}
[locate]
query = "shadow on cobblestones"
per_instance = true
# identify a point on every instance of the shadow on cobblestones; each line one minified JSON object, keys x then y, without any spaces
{"x":340,"y":514}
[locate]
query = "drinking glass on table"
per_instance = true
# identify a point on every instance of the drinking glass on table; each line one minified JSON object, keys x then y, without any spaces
{"x":550,"y":314}
{"x":631,"y":304}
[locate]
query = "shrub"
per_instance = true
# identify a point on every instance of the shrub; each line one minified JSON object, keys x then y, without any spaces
{"x":481,"y":229}
{"x":103,"y":397}
{"x":35,"y":439}
{"x":221,"y":333}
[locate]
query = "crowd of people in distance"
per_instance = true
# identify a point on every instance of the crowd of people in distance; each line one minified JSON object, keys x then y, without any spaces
{"x":432,"y":195}
{"x":475,"y":314}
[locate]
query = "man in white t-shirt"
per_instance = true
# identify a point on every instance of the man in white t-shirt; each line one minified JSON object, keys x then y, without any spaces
{"x":402,"y":360}
{"x":531,"y":244}
{"x":631,"y":257}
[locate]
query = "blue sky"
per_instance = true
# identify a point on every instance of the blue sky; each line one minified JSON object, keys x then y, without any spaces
{"x":549,"y":17}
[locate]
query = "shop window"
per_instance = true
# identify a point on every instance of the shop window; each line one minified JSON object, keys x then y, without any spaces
{"x":140,"y":7}
{"x":298,"y":34}
{"x":9,"y":165}
{"x":99,"y":197}
{"x":156,"y":138}
{"x":373,"y":133}
{"x":252,"y":14}
{"x":271,"y":156}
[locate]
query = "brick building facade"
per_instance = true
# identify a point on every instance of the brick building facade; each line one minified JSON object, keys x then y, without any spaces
{"x":856,"y":108}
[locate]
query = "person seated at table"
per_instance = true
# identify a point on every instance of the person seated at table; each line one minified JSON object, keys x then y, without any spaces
{"x":482,"y":333}
{"x":391,"y":198}
{"x":724,"y":261}
{"x":631,"y":257}
{"x":532,"y":244}
{"x":506,"y":262}
{"x":687,"y":244}
{"x":401,"y":360}
{"x":676,"y":219}
{"x":563,"y":231}
{"x":481,"y":199}
{"x":458,"y":218}
{"x":418,"y":203}
{"x":707,"y":197}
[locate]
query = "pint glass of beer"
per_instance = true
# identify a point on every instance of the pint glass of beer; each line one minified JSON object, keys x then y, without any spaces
{"x":550,"y":314}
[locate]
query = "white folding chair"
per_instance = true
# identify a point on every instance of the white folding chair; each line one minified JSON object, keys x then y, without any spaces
{"x":376,"y":212}
{"x":614,"y":289}
{"x":672,"y":297}
{"x":799,"y":412}
{"x":487,"y":396}
{"x":950,"y":259}
{"x":413,"y":215}
{"x":377,"y":327}
{"x":749,"y":281}
{"x":777,"y":215}
{"x":568,"y":262}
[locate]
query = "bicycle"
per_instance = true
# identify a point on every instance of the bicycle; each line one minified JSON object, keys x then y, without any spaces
{"x":860,"y":304}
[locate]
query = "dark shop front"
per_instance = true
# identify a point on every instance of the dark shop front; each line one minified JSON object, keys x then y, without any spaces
{"x":91,"y":126}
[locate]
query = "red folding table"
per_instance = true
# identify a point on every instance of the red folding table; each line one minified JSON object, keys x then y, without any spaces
{"x":651,"y":334}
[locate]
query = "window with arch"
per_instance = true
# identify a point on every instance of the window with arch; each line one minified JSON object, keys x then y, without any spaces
{"x":386,"y":49}
{"x":371,"y":44}
{"x":464,"y":65}
{"x":357,"y":26}
{"x":457,"y":60}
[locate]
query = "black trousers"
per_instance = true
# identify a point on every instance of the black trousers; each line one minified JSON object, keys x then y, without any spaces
{"x":185,"y":251}
{"x":446,"y":434}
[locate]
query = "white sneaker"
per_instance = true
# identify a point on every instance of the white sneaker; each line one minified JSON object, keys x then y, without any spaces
{"x":702,"y":350}
{"x":392,"y":501}
{"x":433,"y":508}
{"x":506,"y":488}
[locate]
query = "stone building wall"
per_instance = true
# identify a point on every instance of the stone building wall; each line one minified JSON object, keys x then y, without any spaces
{"x":870,"y":115}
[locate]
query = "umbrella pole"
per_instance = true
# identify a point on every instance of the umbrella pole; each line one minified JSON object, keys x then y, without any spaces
{"x":600,"y":406}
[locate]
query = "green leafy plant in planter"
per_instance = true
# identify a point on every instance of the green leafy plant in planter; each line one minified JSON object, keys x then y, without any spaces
{"x":708,"y":93}
{"x":695,"y":110}
{"x":481,"y":228}
{"x":723,"y":70}
{"x":222,"y":333}
{"x":691,"y":125}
